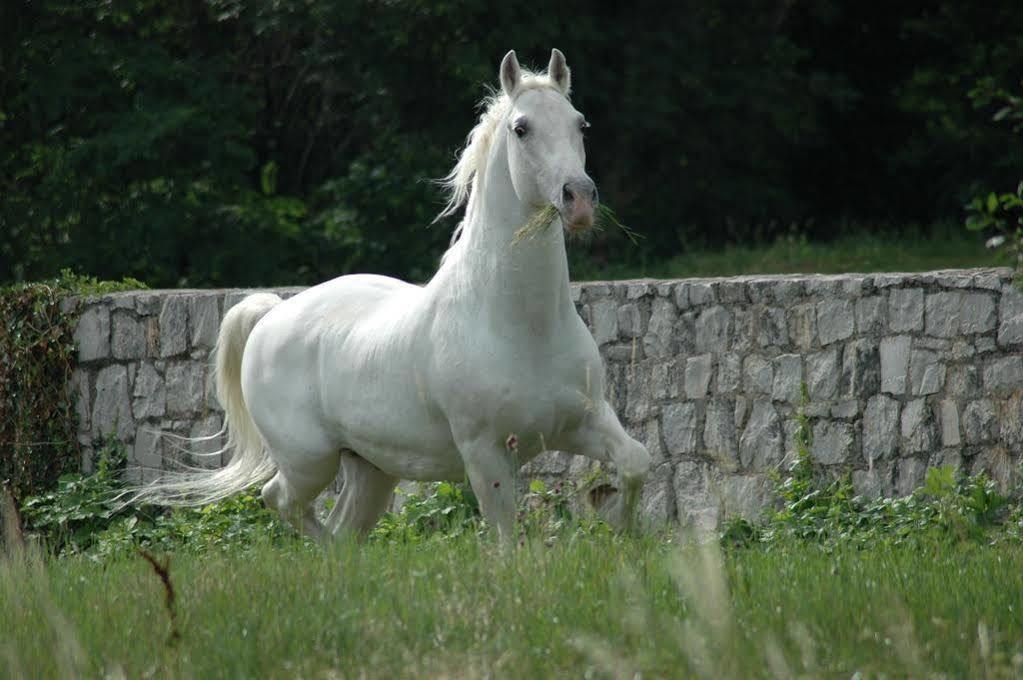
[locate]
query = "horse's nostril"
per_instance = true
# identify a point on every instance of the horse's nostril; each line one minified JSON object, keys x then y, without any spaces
{"x":594,"y":194}
{"x":566,"y":194}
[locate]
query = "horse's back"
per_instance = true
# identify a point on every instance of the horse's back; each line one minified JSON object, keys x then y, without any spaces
{"x":319,"y":365}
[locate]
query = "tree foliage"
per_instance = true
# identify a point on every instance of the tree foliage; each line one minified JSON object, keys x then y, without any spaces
{"x":288,"y":141}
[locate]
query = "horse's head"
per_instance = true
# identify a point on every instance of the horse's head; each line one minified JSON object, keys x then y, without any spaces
{"x":546,"y":157}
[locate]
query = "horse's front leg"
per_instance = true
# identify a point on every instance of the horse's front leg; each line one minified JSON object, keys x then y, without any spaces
{"x":492,"y":477}
{"x":603,"y":438}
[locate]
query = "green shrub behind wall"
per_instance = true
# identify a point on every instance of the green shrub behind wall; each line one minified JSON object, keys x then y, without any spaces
{"x":38,"y":423}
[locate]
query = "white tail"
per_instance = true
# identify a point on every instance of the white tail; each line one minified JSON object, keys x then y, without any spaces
{"x":250,"y":462}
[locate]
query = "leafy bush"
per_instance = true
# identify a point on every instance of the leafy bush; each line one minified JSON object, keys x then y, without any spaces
{"x":38,"y":423}
{"x":141,"y":137}
{"x":1000,"y":215}
{"x":440,"y":510}
{"x":950,"y":506}
{"x":85,"y":515}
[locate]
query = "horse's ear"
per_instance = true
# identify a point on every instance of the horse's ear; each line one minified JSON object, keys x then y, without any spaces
{"x":511,"y":74}
{"x":558,"y":71}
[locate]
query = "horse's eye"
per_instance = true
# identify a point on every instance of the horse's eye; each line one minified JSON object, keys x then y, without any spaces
{"x":520,"y":130}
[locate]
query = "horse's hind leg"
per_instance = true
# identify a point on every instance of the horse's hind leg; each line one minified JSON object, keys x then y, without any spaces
{"x":366,"y":493}
{"x":293,"y":489}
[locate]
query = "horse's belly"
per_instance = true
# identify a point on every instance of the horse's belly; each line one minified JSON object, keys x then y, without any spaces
{"x":386,"y":415}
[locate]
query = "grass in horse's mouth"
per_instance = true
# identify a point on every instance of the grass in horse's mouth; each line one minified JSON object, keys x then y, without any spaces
{"x":540,"y":220}
{"x":537,"y":222}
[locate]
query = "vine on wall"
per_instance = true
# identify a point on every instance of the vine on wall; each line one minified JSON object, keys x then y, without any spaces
{"x":37,"y":412}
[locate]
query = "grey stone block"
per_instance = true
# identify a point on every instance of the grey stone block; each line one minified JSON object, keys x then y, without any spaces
{"x":979,"y":423}
{"x":1010,"y":311}
{"x":822,"y":374}
{"x":787,"y":291}
{"x":889,"y":280}
{"x":630,"y":321}
{"x":760,"y":446}
{"x":92,"y":334}
{"x":147,"y":451}
{"x":149,"y":393}
{"x":680,"y":294}
{"x":185,"y":388}
{"x":962,"y":350}
{"x":985,"y":345}
{"x":637,"y":290}
{"x":657,"y":500}
{"x":701,"y":293}
{"x":895,"y":364}
{"x":746,"y":496}
{"x":111,"y":409}
{"x":719,"y":434}
{"x":741,"y":409}
{"x":861,"y":370}
{"x":999,"y":465}
{"x":1011,"y":422}
{"x":637,"y":403}
{"x":871,"y":315}
{"x":926,"y":372}
{"x":547,"y":464}
{"x":875,"y":482}
{"x":730,"y":291}
{"x":906,"y":310}
{"x":880,"y":428}
{"x":79,"y":386}
{"x":729,"y":372}
{"x":835,"y":320}
{"x":758,"y":375}
{"x":802,"y":323}
{"x":148,"y":303}
{"x":697,"y":507}
{"x":949,"y":423}
{"x":604,"y":321}
{"x":846,"y":410}
{"x":771,"y":330}
{"x":788,"y":378}
{"x":964,"y":381}
{"x":744,"y":335}
{"x":713,"y":330}
{"x":699,"y":370}
{"x":204,"y":320}
{"x":1003,"y":373}
{"x":978,"y":314}
{"x":660,"y":387}
{"x":833,"y":442}
{"x":680,"y":427}
{"x":909,"y":475}
{"x":173,"y":326}
{"x":949,"y":456}
{"x":659,"y":340}
{"x":128,"y":337}
{"x":207,"y":439}
{"x":918,"y":431}
{"x":760,"y":290}
{"x":942,"y":314}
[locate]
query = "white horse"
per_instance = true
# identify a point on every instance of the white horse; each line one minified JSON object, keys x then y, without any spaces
{"x":474,"y":374}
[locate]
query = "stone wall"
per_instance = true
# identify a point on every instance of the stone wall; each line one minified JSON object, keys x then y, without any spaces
{"x":902,"y":372}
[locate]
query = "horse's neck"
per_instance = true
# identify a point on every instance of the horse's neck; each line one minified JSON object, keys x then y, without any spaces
{"x":523,"y":284}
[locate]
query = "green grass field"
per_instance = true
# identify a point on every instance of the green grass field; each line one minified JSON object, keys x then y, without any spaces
{"x":588,"y":606}
{"x":945,"y":248}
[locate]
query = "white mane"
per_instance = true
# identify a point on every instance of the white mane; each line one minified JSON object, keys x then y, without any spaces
{"x":462,"y":181}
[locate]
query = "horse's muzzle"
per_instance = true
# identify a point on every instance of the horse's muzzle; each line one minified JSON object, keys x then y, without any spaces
{"x":578,"y":203}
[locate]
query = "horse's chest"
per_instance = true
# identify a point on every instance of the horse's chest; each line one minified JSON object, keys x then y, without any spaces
{"x":545,"y":400}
